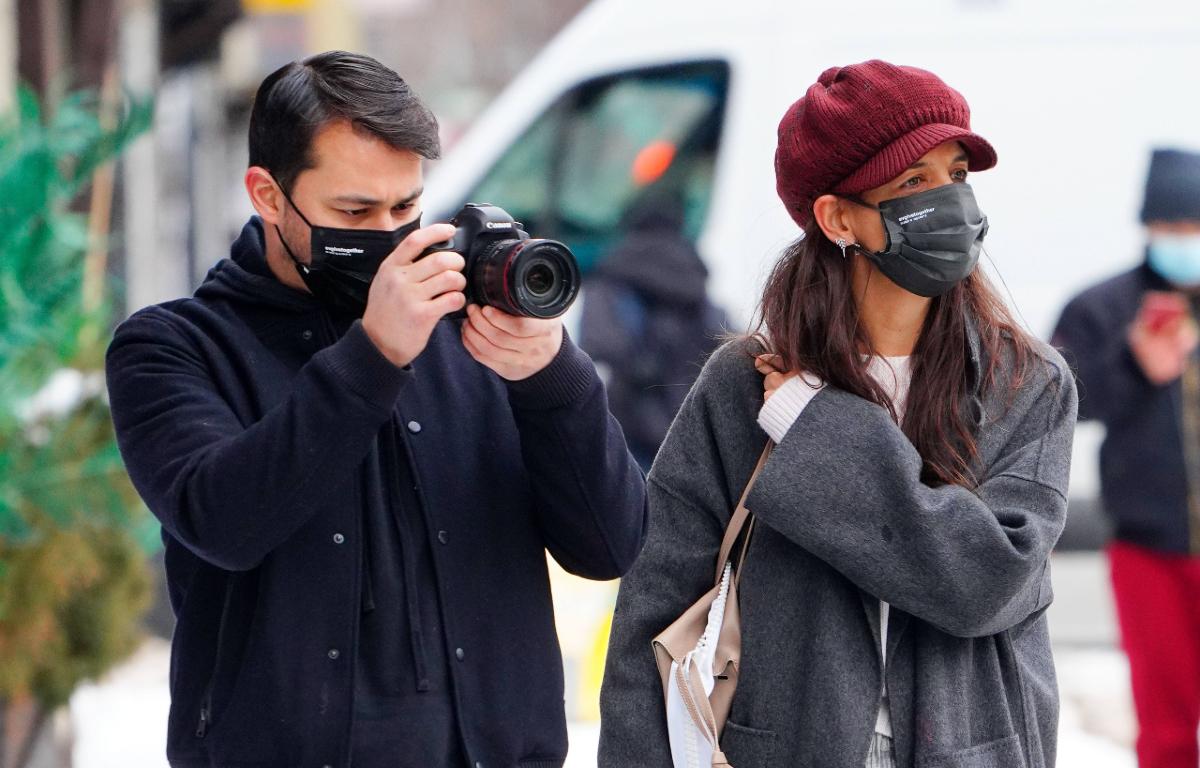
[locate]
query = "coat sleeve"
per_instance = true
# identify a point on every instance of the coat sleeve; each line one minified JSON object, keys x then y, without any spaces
{"x":230,"y":491}
{"x":687,"y":520}
{"x":589,"y":494}
{"x":1109,"y":379}
{"x":845,"y":485}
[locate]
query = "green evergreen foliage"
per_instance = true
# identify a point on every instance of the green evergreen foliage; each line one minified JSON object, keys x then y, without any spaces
{"x":73,"y":573}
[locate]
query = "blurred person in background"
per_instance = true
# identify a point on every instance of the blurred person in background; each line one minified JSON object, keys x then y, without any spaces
{"x":893,"y":595}
{"x":356,"y":491}
{"x":648,"y":321}
{"x":1132,"y":343}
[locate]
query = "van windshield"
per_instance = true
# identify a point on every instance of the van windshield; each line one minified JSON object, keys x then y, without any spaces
{"x":586,"y":163}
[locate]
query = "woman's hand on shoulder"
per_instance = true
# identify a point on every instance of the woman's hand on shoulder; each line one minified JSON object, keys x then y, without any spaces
{"x":770,"y":366}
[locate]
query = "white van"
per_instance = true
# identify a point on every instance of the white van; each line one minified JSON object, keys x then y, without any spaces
{"x":1072,"y":93}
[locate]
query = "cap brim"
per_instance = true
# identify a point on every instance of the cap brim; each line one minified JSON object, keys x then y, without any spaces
{"x":893,"y":159}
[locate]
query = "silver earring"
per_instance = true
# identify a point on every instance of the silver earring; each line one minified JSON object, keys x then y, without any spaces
{"x":841,"y":243}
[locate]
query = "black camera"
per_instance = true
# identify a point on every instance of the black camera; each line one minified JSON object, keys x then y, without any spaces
{"x":508,"y":269}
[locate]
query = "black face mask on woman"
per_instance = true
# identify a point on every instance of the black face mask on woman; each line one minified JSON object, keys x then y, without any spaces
{"x":343,"y":262}
{"x":933,"y":239}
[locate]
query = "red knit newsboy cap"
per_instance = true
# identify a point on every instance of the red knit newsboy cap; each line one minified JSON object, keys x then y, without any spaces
{"x":861,"y":125}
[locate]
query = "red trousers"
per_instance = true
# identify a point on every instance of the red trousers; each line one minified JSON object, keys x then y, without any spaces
{"x":1158,"y":608}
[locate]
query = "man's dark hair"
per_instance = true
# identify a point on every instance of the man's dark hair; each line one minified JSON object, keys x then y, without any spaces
{"x":300,"y":98}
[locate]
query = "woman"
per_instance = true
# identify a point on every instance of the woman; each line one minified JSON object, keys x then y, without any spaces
{"x":893,"y":595}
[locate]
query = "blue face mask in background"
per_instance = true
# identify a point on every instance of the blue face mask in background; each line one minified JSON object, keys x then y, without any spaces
{"x":1176,"y":258}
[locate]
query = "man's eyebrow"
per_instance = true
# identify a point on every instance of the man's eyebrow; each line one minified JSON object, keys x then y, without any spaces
{"x":415,"y":194}
{"x":371,"y":202}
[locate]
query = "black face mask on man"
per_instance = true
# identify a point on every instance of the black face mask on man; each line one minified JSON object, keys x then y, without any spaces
{"x":933,"y":239}
{"x":343,"y":262}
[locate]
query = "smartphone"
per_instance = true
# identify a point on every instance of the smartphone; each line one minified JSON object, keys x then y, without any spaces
{"x":1161,"y":308}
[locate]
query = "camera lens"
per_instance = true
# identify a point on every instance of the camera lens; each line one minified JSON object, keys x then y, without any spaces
{"x":532,"y":278}
{"x":540,"y":280}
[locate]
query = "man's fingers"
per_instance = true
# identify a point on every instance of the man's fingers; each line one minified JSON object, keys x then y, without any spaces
{"x":1189,"y":337}
{"x":521,"y":327}
{"x":433,"y":264}
{"x":449,"y":302}
{"x":469,"y":344}
{"x":500,"y":338}
{"x":443,"y":282}
{"x":483,"y":346}
{"x":412,"y":246}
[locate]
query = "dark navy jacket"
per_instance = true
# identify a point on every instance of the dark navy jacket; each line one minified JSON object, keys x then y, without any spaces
{"x":1143,"y":485}
{"x":245,"y":419}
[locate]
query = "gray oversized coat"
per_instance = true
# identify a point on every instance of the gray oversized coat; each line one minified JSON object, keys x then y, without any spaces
{"x":843,"y":521}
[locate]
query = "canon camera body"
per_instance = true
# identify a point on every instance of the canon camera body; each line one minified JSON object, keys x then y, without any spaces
{"x":506,"y":268}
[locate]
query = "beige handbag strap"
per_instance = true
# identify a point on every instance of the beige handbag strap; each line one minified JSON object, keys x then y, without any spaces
{"x":738,"y":520}
{"x":691,"y":691}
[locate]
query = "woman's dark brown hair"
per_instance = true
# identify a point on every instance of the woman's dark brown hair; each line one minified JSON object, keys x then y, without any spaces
{"x":809,"y":317}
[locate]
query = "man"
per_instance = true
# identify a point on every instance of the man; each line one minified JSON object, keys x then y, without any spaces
{"x":1132,"y":341}
{"x":357,"y":491}
{"x":649,"y":321}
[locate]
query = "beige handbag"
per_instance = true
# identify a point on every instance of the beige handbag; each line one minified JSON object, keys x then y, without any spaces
{"x":675,"y":644}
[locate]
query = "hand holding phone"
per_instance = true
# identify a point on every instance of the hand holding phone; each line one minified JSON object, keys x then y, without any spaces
{"x":1162,"y":311}
{"x":1163,"y":336}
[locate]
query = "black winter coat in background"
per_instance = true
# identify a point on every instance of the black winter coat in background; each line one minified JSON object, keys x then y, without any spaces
{"x":245,"y":422}
{"x":647,"y":319}
{"x":1143,"y":483}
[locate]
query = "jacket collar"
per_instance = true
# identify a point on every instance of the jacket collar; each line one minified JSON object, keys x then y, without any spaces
{"x":244,"y":277}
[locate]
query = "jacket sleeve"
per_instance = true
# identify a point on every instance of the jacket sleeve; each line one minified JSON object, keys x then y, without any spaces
{"x":845,"y":485}
{"x":1109,"y":378}
{"x":231,"y":491}
{"x":589,"y":493}
{"x":674,"y":570}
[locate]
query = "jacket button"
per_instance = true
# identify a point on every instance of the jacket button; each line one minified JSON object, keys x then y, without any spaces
{"x":306,"y":335}
{"x":443,"y":537}
{"x":334,"y":653}
{"x":338,"y":538}
{"x":460,"y":654}
{"x":414,"y":427}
